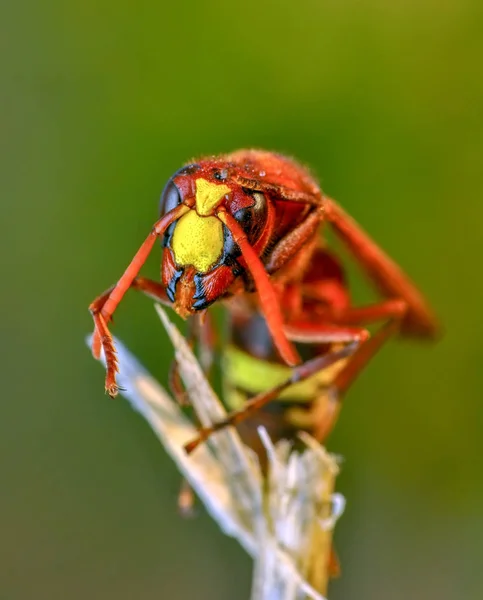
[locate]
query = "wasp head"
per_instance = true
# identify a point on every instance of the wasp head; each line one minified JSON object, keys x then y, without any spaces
{"x":201,"y":258}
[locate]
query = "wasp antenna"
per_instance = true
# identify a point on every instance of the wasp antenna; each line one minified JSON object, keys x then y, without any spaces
{"x":269,"y":303}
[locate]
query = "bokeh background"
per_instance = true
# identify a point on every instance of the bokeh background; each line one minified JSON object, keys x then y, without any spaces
{"x":100,"y":102}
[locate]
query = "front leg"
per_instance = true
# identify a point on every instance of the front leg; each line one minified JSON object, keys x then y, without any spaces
{"x":104,"y":306}
{"x":103,"y":337}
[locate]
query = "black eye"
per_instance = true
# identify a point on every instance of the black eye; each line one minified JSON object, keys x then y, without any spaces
{"x":170,"y":198}
{"x":220,"y":175}
{"x":253,"y":218}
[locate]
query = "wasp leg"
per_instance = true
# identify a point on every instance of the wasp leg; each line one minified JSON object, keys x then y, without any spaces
{"x":298,"y":373}
{"x":294,"y":241}
{"x":149,"y":287}
{"x":104,"y":306}
{"x":392,"y":310}
{"x":186,"y":500}
{"x":360,"y":350}
{"x":153,"y":289}
{"x":334,"y":564}
{"x":205,"y":333}
{"x":280,"y":191}
{"x":340,"y":325}
{"x":269,"y":303}
{"x":395,"y":308}
{"x":384,"y":272}
{"x":175,"y":385}
{"x":307,"y":332}
{"x":200,"y":329}
{"x":325,"y":423}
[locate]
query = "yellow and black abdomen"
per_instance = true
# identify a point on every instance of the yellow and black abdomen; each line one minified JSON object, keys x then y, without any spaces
{"x":252,"y":366}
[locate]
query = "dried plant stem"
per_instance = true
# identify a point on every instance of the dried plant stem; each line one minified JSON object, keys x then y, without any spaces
{"x":284,"y":521}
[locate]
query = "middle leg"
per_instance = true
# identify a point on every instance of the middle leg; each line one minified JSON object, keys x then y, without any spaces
{"x":299,"y":373}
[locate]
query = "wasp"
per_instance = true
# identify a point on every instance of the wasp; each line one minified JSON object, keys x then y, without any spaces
{"x":245,"y":229}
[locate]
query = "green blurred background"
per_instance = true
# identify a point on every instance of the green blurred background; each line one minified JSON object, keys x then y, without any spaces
{"x":100,"y":103}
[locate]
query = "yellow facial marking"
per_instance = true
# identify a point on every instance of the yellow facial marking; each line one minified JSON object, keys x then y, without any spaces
{"x":197,"y":241}
{"x":208,"y":196}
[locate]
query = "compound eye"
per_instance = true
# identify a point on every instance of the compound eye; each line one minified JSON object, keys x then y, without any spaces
{"x":170,"y":198}
{"x":253,"y":218}
{"x":171,"y":195}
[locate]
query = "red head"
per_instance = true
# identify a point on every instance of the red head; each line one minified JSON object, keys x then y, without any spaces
{"x":201,"y":258}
